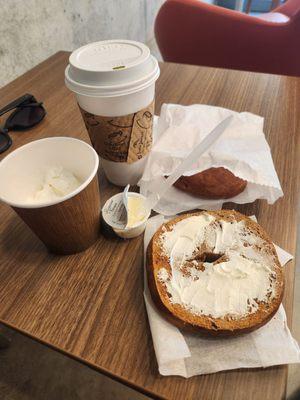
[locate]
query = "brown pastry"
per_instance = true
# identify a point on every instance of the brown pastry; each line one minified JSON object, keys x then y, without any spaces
{"x":213,"y":183}
{"x":225,"y":280}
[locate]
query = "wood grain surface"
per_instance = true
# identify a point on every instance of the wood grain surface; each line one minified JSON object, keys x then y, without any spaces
{"x":90,"y":305}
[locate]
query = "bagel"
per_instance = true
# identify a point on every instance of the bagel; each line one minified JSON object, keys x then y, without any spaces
{"x":214,"y":272}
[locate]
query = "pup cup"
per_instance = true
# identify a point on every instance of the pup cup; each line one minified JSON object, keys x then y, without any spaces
{"x":114,"y":82}
{"x":52,"y":185}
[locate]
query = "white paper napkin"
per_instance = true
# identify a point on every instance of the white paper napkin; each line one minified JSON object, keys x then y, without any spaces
{"x":180,"y":353}
{"x":242,"y":149}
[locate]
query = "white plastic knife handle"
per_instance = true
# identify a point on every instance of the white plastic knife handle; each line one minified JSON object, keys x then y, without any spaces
{"x":162,"y":187}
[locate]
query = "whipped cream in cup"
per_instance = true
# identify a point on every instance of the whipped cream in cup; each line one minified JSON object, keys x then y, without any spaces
{"x":114,"y":83}
{"x":52,"y":185}
{"x":114,"y":215}
{"x":56,"y":182}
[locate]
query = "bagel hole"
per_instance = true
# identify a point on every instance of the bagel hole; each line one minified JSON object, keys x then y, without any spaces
{"x":211,"y":257}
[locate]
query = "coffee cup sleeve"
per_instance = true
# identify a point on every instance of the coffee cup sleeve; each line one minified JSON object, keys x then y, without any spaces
{"x":126,"y":138}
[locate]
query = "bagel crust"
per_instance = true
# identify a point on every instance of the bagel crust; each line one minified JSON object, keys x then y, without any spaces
{"x":213,"y":183}
{"x":226,"y":325}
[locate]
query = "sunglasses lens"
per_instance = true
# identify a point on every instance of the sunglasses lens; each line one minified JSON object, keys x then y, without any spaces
{"x":5,"y":141}
{"x":25,"y":117}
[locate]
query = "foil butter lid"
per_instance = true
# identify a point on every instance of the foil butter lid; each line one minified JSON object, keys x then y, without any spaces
{"x":111,"y":68}
{"x":114,"y":212}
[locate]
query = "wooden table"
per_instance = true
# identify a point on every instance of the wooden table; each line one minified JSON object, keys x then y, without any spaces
{"x":90,"y":306}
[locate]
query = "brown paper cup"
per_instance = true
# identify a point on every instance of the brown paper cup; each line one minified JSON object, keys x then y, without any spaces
{"x":66,"y":225}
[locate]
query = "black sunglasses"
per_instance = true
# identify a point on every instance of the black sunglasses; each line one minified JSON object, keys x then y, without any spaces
{"x":29,"y":112}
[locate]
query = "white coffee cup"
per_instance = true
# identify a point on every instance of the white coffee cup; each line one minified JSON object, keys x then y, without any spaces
{"x":114,"y":78}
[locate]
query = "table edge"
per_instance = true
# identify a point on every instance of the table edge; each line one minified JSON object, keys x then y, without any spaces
{"x":124,"y":381}
{"x":85,"y":362}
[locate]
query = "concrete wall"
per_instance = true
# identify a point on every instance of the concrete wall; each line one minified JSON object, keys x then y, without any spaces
{"x":32,"y":30}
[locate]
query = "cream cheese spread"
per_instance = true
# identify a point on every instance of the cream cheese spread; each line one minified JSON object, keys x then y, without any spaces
{"x":57,"y":182}
{"x":232,"y":285}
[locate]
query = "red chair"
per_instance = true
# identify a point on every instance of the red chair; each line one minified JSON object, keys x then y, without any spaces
{"x":192,"y":32}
